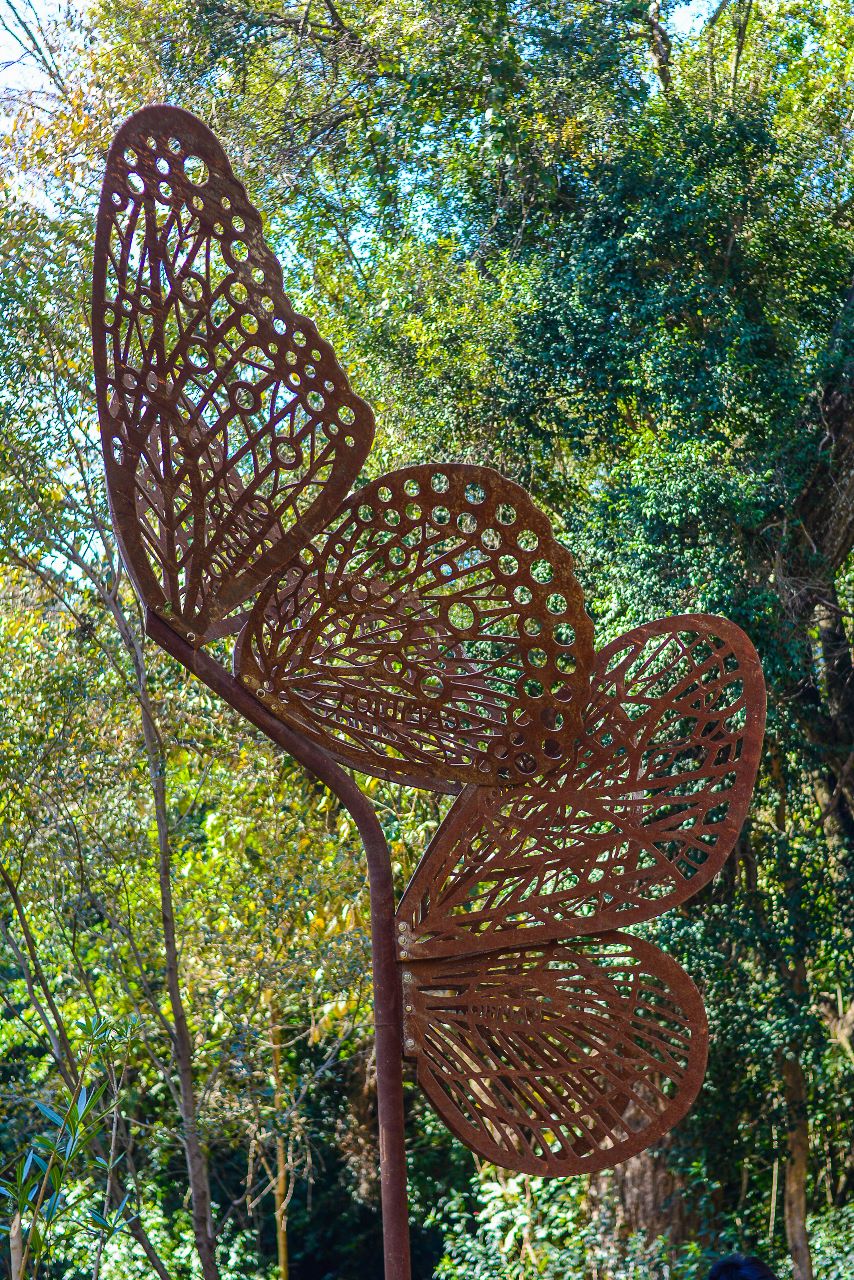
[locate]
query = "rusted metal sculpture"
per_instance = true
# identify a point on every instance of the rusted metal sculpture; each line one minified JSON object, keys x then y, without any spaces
{"x":428,"y":629}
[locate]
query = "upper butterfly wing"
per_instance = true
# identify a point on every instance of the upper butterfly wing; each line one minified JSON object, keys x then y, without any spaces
{"x":230,"y":432}
{"x":436,"y":636}
{"x":558,"y":1060}
{"x":643,"y":816}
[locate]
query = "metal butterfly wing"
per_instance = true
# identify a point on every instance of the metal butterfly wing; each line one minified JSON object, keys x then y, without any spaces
{"x":546,"y":1041}
{"x":230,"y":432}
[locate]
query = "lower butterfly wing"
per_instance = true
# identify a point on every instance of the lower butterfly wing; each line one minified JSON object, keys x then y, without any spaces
{"x":644,"y":814}
{"x":559,"y":1060}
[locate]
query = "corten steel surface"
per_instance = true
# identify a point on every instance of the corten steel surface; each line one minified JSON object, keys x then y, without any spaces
{"x":429,"y":629}
{"x":438,"y":633}
{"x":643,"y":817}
{"x":230,"y":432}
{"x":559,"y":1059}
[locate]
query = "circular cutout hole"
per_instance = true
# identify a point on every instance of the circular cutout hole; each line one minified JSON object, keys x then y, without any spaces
{"x":196,"y":170}
{"x":432,"y":686}
{"x":461,"y":616}
{"x":439,"y":482}
{"x":542,"y":571}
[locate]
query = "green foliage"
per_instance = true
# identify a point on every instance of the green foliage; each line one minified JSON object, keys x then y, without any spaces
{"x":50,"y":1189}
{"x":832,"y":1240}
{"x":519,"y":1228}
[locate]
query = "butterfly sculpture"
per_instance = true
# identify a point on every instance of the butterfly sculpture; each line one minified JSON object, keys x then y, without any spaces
{"x":428,"y":628}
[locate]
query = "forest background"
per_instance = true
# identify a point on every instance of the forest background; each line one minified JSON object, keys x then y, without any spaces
{"x":607,"y":247}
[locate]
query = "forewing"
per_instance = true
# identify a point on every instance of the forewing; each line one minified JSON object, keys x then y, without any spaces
{"x":437,"y":636}
{"x":643,"y":817}
{"x":230,"y":432}
{"x":560,"y":1060}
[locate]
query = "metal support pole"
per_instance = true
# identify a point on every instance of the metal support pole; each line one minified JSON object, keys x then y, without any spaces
{"x":388,"y":1004}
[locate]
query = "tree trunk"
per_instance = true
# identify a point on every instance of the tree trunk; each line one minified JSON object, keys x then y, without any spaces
{"x":825,"y":507}
{"x":652,"y":1201}
{"x":795,"y":1197}
{"x":16,"y":1247}
{"x":197,"y":1169}
{"x":281,"y":1197}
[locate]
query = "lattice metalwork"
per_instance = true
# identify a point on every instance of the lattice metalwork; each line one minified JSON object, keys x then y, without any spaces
{"x":438,"y":633}
{"x":426,"y":628}
{"x":230,"y":431}
{"x":560,"y":1059}
{"x":644,"y":816}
